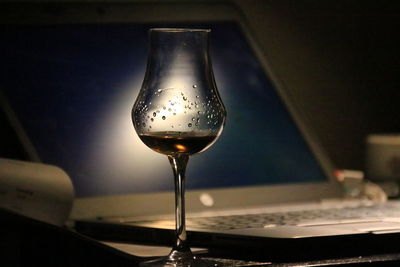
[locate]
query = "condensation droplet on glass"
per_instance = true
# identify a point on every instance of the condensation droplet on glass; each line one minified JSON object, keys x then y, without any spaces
{"x":190,"y":125}
{"x":154,"y":114}
{"x":194,"y":86}
{"x":158,"y":111}
{"x":169,"y":109}
{"x":184,"y":98}
{"x":159,"y":90}
{"x":174,"y":113}
{"x":152,"y":119}
{"x":164,"y":107}
{"x":197,"y":96}
{"x":197,"y":124}
{"x":193,"y":118}
{"x":199,"y":112}
{"x":144,"y":124}
{"x":163,"y":117}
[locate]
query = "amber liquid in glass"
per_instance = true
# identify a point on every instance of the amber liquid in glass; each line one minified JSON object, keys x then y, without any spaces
{"x":170,"y":143}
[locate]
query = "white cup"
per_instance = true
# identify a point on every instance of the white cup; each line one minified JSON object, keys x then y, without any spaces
{"x":383,"y":157}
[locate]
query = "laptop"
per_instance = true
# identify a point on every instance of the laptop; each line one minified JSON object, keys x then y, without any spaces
{"x":70,"y":75}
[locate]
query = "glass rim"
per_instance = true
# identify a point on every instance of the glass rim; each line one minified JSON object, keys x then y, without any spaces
{"x":179,"y":30}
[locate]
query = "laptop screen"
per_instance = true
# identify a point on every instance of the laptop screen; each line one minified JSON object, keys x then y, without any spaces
{"x":72,"y":88}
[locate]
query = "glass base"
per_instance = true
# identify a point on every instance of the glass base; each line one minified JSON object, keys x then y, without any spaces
{"x":192,"y":262}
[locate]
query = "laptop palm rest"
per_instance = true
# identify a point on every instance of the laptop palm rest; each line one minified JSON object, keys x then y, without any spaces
{"x":286,"y":231}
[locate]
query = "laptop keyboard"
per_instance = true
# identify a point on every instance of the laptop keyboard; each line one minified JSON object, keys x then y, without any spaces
{"x":300,"y":218}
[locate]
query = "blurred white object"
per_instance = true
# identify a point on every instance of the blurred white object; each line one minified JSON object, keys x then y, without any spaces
{"x":355,"y":186}
{"x":383,"y":157}
{"x":351,"y":180}
{"x":40,"y":191}
{"x":374,"y":192}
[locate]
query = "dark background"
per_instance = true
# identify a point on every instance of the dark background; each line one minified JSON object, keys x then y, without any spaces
{"x":338,"y":61}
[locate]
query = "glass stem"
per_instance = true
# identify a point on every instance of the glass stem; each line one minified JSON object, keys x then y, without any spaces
{"x":181,"y":250}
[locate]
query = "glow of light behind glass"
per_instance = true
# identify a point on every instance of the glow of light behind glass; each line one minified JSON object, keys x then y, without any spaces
{"x":122,"y":152}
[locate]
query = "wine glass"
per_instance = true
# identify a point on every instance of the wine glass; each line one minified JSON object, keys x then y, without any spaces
{"x":178,"y":113}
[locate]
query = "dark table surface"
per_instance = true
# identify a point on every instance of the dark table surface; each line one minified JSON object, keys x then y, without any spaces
{"x":27,"y":242}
